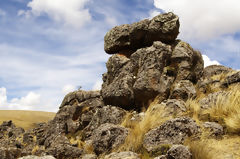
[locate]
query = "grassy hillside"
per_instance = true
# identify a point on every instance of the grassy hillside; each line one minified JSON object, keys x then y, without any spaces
{"x":25,"y":119}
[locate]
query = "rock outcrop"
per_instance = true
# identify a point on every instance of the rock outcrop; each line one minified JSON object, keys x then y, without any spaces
{"x":150,"y":72}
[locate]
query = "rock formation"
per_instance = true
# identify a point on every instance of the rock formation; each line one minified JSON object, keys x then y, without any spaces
{"x":149,"y":70}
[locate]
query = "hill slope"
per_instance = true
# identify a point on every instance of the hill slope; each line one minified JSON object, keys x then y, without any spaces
{"x":25,"y":119}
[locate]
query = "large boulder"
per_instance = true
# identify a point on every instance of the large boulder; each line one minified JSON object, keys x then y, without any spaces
{"x":131,"y":82}
{"x":108,"y":137}
{"x":128,"y":38}
{"x":173,"y":131}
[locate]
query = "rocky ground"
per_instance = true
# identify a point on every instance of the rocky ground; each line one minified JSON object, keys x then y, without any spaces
{"x":157,"y":101}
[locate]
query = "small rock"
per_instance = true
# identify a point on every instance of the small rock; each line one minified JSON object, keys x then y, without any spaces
{"x":215,"y":129}
{"x":184,"y":90}
{"x":89,"y":156}
{"x":179,"y":152}
{"x":232,"y":79}
{"x":122,"y":155}
{"x":108,"y":137}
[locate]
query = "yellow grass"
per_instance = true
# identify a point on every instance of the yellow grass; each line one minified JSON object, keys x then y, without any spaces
{"x":152,"y":118}
{"x":229,"y":146}
{"x":25,"y":119}
{"x":227,"y":110}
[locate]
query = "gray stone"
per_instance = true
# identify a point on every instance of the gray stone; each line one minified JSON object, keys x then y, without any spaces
{"x":184,"y":90}
{"x":173,"y":131}
{"x":175,"y":107}
{"x":131,"y":82}
{"x":89,"y":156}
{"x":9,"y":153}
{"x":232,"y":79}
{"x":80,"y":96}
{"x":164,"y":27}
{"x":212,"y":70}
{"x":215,"y":129}
{"x":108,"y":137}
{"x":122,"y":155}
{"x":187,"y":62}
{"x":179,"y":152}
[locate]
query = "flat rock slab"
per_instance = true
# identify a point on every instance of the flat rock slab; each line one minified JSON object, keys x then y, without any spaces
{"x":164,"y":27}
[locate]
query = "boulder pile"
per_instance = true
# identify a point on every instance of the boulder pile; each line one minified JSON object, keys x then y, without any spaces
{"x":149,"y":70}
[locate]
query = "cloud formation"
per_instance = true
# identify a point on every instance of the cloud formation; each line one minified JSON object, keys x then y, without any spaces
{"x":204,"y":19}
{"x":27,"y":102}
{"x":70,"y":12}
{"x":208,"y":61}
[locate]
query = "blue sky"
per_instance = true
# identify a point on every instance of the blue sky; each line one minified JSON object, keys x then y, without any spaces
{"x":51,"y":47}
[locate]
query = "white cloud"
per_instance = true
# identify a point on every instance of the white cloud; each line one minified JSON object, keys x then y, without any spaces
{"x":68,"y":88}
{"x":3,"y":96}
{"x":208,"y":61}
{"x":28,"y":102}
{"x":203,"y":19}
{"x":70,"y":12}
{"x":97,"y":85}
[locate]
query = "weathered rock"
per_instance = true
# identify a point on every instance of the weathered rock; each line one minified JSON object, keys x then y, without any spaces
{"x":61,"y":148}
{"x":164,"y":27}
{"x":215,"y":129}
{"x":108,"y":137}
{"x":118,"y":82}
{"x":184,"y":90}
{"x":174,"y":107}
{"x":78,"y":97}
{"x":97,"y":116}
{"x":37,"y":157}
{"x":179,"y":152}
{"x":232,"y":79}
{"x":171,"y":132}
{"x":89,"y":156}
{"x":187,"y":62}
{"x":131,"y":82}
{"x":212,"y":70}
{"x":122,"y":155}
{"x":9,"y":153}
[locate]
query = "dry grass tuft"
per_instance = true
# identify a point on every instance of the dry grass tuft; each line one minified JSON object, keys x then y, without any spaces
{"x":227,"y":110}
{"x":153,"y":117}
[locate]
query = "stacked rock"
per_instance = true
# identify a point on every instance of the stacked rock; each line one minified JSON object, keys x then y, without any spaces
{"x":149,"y":62}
